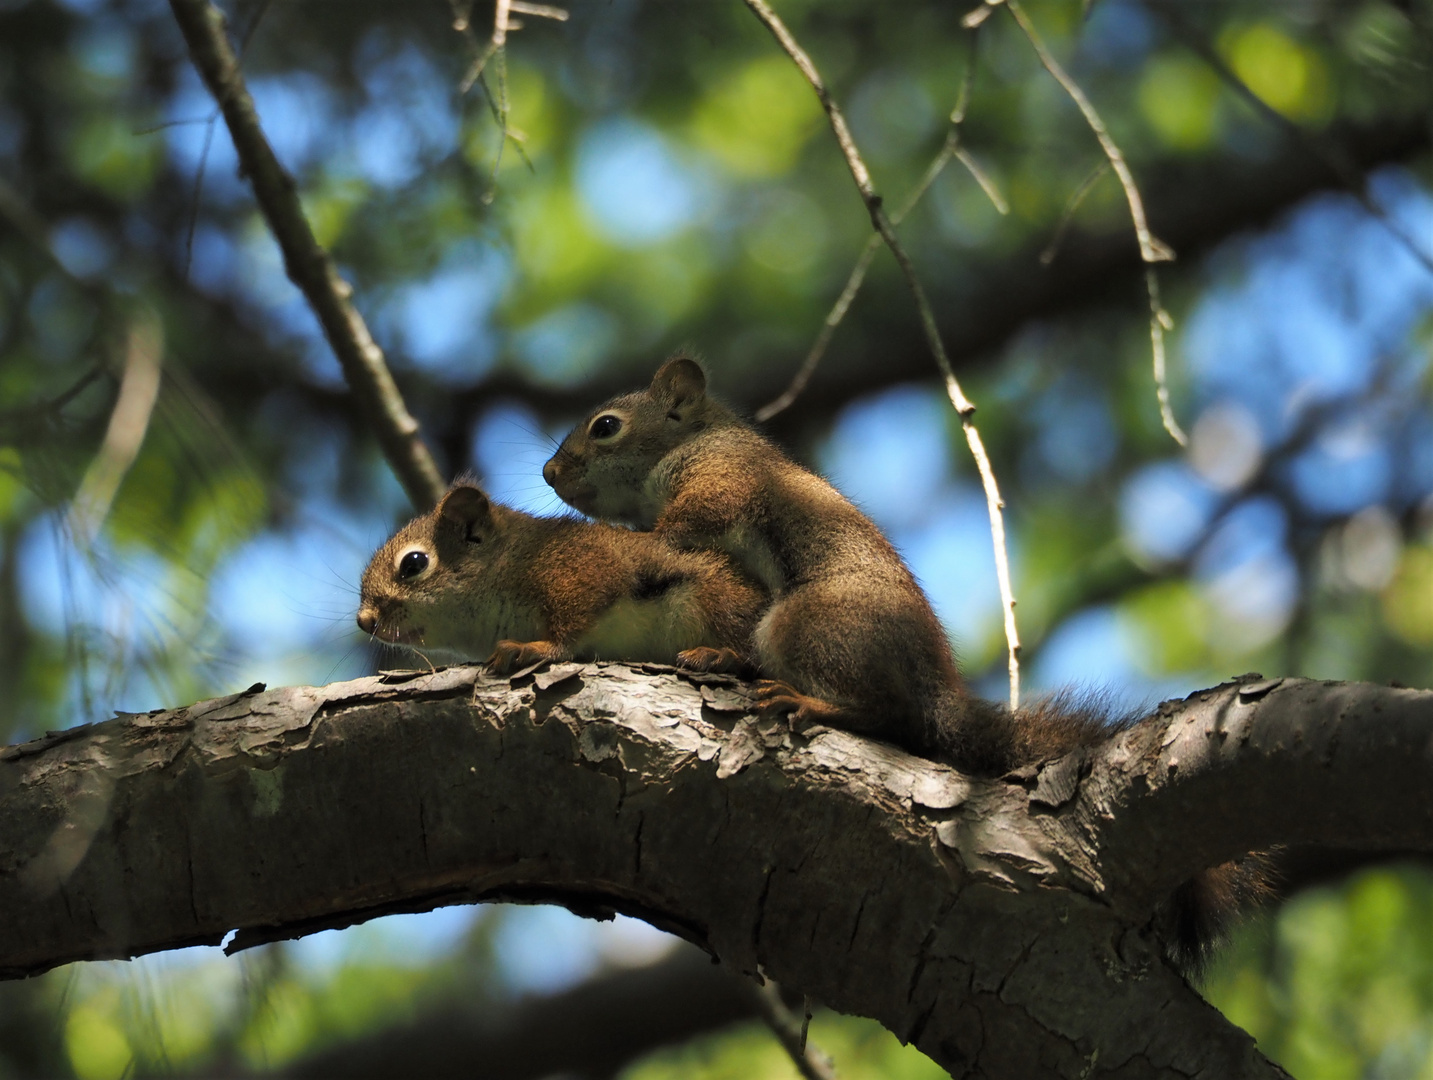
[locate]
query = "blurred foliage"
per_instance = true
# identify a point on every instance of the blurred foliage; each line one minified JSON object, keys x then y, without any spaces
{"x":665,"y":179}
{"x":860,"y":1049}
{"x":1338,"y":984}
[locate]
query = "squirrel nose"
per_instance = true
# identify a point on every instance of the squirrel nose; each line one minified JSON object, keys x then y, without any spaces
{"x":549,"y":472}
{"x":367,"y":620}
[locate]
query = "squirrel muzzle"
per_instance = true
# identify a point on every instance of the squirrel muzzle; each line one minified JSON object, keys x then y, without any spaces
{"x":367,"y":620}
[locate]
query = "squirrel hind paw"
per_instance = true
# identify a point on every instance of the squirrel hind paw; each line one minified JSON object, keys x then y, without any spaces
{"x":705,"y":658}
{"x":774,"y":698}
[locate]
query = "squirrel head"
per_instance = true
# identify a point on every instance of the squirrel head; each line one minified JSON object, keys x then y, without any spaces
{"x":413,"y":590}
{"x":603,"y":465}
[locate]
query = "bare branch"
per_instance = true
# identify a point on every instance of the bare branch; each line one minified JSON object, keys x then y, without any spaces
{"x":605,"y":1023}
{"x":540,"y":11}
{"x":950,"y":148}
{"x":963,"y":405}
{"x":834,"y":317}
{"x":307,"y":263}
{"x":128,"y":423}
{"x":501,"y":8}
{"x":503,"y":24}
{"x":1151,"y":250}
{"x":790,"y":1032}
{"x":1072,"y":205}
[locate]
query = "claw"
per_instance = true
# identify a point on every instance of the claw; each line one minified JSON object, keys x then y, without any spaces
{"x":775,"y":698}
{"x":705,"y":658}
{"x":511,"y":655}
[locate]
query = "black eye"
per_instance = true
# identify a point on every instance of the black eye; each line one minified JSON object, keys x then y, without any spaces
{"x":411,"y":565}
{"x":604,"y":427}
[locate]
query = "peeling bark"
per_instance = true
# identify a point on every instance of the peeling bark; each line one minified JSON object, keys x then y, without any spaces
{"x":1002,"y":926}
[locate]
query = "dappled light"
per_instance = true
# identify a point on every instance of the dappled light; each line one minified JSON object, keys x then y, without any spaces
{"x":191,"y":484}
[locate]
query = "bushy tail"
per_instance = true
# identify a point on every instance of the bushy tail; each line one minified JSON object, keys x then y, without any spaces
{"x":985,"y":738}
{"x":1196,"y":916}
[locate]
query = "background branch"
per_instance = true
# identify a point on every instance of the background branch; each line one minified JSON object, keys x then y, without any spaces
{"x":605,"y":1023}
{"x":307,"y":263}
{"x":1151,"y":249}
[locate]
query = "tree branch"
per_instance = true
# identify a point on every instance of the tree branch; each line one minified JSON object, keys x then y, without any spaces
{"x":1002,"y":926}
{"x":307,"y":263}
{"x":1255,"y":764}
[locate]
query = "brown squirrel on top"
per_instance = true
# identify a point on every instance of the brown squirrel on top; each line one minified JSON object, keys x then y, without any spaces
{"x":850,"y":639}
{"x":486,"y":581}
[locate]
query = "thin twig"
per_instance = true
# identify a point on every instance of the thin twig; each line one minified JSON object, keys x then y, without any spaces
{"x":503,"y":23}
{"x":790,"y":1031}
{"x":848,"y":294}
{"x":1159,"y":322}
{"x":115,"y":310}
{"x":501,"y":10}
{"x":513,"y":134}
{"x":963,"y":405}
{"x":950,"y":148}
{"x":1072,"y":204}
{"x":837,"y":313}
{"x":987,"y":185}
{"x":1151,"y":249}
{"x":209,"y":122}
{"x":128,"y":423}
{"x":194,"y":194}
{"x":1354,"y":181}
{"x":307,"y":263}
{"x":483,"y":53}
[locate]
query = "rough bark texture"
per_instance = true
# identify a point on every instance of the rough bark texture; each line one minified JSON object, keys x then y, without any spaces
{"x":1002,"y":926}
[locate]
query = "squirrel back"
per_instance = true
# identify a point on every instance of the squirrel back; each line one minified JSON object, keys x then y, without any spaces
{"x":489,"y":582}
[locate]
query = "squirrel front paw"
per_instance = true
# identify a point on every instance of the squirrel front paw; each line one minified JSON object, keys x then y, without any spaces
{"x":511,"y":655}
{"x":705,"y":658}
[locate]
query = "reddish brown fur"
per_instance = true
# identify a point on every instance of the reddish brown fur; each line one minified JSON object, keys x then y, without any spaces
{"x":514,"y":588}
{"x":850,"y":639}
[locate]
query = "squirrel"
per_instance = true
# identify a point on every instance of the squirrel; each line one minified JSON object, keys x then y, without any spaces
{"x":849,"y":639}
{"x":485,"y":581}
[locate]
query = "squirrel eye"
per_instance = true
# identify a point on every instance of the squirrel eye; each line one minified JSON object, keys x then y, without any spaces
{"x":605,"y":426}
{"x":411,"y":565}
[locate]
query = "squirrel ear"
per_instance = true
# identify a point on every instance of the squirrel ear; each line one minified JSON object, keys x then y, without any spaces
{"x":680,"y":381}
{"x":466,"y":506}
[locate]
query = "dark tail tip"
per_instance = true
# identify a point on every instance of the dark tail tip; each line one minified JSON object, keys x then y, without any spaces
{"x":1197,"y":915}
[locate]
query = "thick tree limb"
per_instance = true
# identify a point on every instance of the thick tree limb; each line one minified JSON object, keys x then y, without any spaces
{"x":307,"y":263}
{"x":1265,"y":762}
{"x":1002,"y":926}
